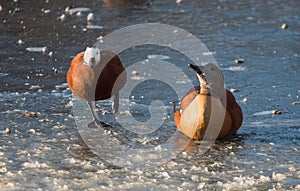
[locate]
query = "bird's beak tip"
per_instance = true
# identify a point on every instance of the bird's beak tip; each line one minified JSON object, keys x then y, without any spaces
{"x":195,"y":68}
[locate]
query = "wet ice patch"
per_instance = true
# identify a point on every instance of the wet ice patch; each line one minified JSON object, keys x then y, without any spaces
{"x":3,"y":74}
{"x":208,"y":53}
{"x":94,"y":27}
{"x":61,"y":90}
{"x":76,"y":10}
{"x":270,"y":122}
{"x":137,"y":78}
{"x":157,"y":110}
{"x":61,"y":86}
{"x":268,"y":112}
{"x":35,"y":164}
{"x":33,"y":87}
{"x":158,"y":57}
{"x":37,"y":49}
{"x":235,"y":68}
{"x":182,"y":81}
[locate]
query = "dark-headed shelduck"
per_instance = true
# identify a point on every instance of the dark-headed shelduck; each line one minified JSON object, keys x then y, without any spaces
{"x":203,"y":103}
{"x":96,"y":74}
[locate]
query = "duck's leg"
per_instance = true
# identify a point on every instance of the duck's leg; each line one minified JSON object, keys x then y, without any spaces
{"x":174,"y":106}
{"x":177,"y":116}
{"x":95,"y":118}
{"x":115,"y":103}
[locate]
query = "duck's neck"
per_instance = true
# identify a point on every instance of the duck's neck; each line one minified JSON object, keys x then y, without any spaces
{"x":204,"y":87}
{"x":205,"y":91}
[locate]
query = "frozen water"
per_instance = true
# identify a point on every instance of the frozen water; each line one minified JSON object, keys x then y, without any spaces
{"x":94,"y":27}
{"x":235,"y":68}
{"x":36,"y":49}
{"x":45,"y":151}
{"x":77,"y":10}
{"x":158,"y":57}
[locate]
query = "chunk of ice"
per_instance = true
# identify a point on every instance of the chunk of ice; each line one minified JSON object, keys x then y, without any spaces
{"x":263,"y":112}
{"x":278,"y":177}
{"x":209,"y":53}
{"x":158,"y":57}
{"x":3,"y":74}
{"x":235,"y":68}
{"x":37,"y":49}
{"x":165,"y":175}
{"x":94,"y":27}
{"x":77,"y":10}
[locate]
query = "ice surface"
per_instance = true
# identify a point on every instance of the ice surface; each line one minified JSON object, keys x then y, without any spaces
{"x":264,"y":112}
{"x":46,"y":152}
{"x":235,"y":68}
{"x":158,"y":57}
{"x":3,"y":74}
{"x":94,"y":27}
{"x":36,"y":49}
{"x":209,"y":53}
{"x":77,"y":10}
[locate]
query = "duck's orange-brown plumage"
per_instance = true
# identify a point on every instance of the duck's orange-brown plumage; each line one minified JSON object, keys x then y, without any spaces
{"x":198,"y":109}
{"x":96,"y":74}
{"x":97,"y":83}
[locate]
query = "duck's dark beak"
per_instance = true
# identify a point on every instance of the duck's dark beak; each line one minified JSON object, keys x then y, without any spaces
{"x":92,"y":62}
{"x":196,"y":69}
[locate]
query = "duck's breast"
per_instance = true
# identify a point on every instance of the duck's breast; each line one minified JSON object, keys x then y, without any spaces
{"x":195,"y":116}
{"x":80,"y":78}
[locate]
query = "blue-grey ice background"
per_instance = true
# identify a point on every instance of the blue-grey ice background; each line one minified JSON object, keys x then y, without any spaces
{"x":44,"y":151}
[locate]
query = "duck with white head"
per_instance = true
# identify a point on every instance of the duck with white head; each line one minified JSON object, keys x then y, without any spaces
{"x":96,"y":74}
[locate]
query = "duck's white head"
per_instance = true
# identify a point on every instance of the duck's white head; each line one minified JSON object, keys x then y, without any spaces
{"x":91,"y":56}
{"x":210,"y":77}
